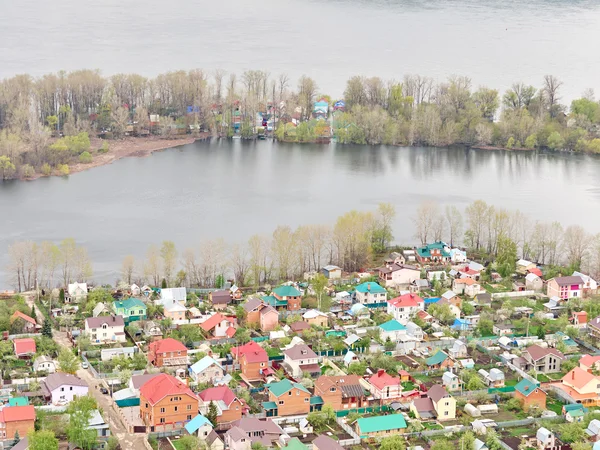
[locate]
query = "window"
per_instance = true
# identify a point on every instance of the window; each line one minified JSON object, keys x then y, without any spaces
{"x":189,"y":417}
{"x":332,"y":389}
{"x":176,"y":409}
{"x":162,"y":410}
{"x":447,"y":403}
{"x":262,"y":364}
{"x":445,"y":413}
{"x":189,"y":407}
{"x":306,"y":399}
{"x":290,"y":393}
{"x":62,"y":389}
{"x":162,"y":420}
{"x":70,"y":388}
{"x":281,"y":402}
{"x":146,"y":405}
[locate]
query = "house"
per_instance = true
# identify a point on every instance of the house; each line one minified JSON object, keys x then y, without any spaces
{"x":350,"y":358}
{"x":582,"y":386}
{"x":385,"y":387}
{"x":593,"y":327}
{"x":323,"y":442}
{"x":286,"y":298}
{"x":419,"y":285}
{"x":590,"y":286}
{"x":466,"y":286}
{"x":16,"y":420}
{"x":414,"y":330}
{"x":100,"y":309}
{"x":76,"y":292}
{"x":437,"y":253}
{"x":555,"y":306}
{"x":287,"y":398}
{"x":458,"y":350}
{"x":152,"y":329}
{"x":436,"y":403}
{"x":332,"y":272}
{"x":397,"y":274}
{"x":439,"y":360}
{"x":105,"y":329}
{"x":206,"y":370}
{"x":503,"y":329}
{"x":484,"y":299}
{"x":523,"y":266}
{"x":579,"y":319}
{"x":316,"y":318}
{"x":574,"y":412}
{"x":220,"y":299}
{"x":166,"y":403}
{"x":565,"y":287}
{"x":24,"y":348}
{"x":199,"y":426}
{"x":404,"y":307}
{"x":451,"y":382}
{"x":172,"y":295}
{"x":589,"y":363}
{"x":469,"y":272}
{"x":341,"y":392}
{"x":542,"y":360}
{"x":458,"y":256}
{"x":425,"y":316}
{"x":44,"y":364}
{"x":29,"y":323}
{"x":167,"y":353}
{"x":380,"y":426}
{"x":301,"y":359}
{"x":229,"y":406}
{"x":253,"y":360}
{"x":219,"y":326}
{"x":299,"y":327}
{"x":135,"y":290}
{"x":530,"y":394}
{"x":533,"y":282}
{"x":248,"y":431}
{"x":96,"y":422}
{"x":258,"y":313}
{"x":492,"y":379}
{"x":62,"y":388}
{"x":593,"y":431}
{"x":236,"y":292}
{"x":391,"y":330}
{"x":146,"y":290}
{"x":545,"y":438}
{"x":370,"y":293}
{"x":131,"y":309}
{"x":137,"y":381}
{"x":175,"y":311}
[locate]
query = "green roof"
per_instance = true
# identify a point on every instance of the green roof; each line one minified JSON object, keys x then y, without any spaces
{"x":316,"y":400}
{"x":371,"y":287}
{"x":283,"y":386}
{"x":575,"y":407}
{"x":526,"y":387}
{"x":438,"y":358}
{"x":287,"y":291}
{"x":269,"y":405}
{"x":425,"y":251}
{"x":18,"y":401}
{"x":295,"y":444}
{"x":381,"y":423}
{"x":273,"y":301}
{"x":130,"y":303}
{"x":392,"y":325}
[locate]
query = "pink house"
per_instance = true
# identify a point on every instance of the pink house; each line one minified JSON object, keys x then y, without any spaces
{"x":385,"y":387}
{"x":565,"y":287}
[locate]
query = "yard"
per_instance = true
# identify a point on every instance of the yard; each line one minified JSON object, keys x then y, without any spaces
{"x":553,"y":404}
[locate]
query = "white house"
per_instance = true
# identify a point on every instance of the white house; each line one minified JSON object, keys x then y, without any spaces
{"x":76,"y":292}
{"x":590,"y":286}
{"x":391,"y":330}
{"x":533,"y":282}
{"x":414,"y":330}
{"x":404,"y":307}
{"x":135,"y":290}
{"x":300,"y":359}
{"x":62,"y":388}
{"x":105,"y":329}
{"x":458,"y":256}
{"x":369,"y":293}
{"x":451,"y":381}
{"x":350,"y":358}
{"x":393,"y":275}
{"x":172,"y":295}
{"x":44,"y":364}
{"x":206,"y":370}
{"x":458,"y":350}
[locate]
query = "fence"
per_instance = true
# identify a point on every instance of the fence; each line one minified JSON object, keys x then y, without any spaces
{"x":374,"y":409}
{"x":512,"y":294}
{"x":163,"y":434}
{"x":348,"y":429}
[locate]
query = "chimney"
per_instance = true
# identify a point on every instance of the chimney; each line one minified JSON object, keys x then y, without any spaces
{"x":380,"y":372}
{"x":368,"y":286}
{"x":114,"y":318}
{"x":572,"y":374}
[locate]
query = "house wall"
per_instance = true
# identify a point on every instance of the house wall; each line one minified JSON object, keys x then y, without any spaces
{"x":252,"y":370}
{"x":318,"y":321}
{"x":446,"y":408}
{"x":208,"y":375}
{"x":22,"y":426}
{"x":379,"y":433}
{"x":233,"y":413}
{"x":387,"y":393}
{"x":293,"y":303}
{"x":244,"y":444}
{"x":160,"y":358}
{"x":253,"y":317}
{"x":295,"y":402}
{"x":537,"y":397}
{"x":68,"y":393}
{"x":269,"y":321}
{"x":168,"y":411}
{"x":175,"y":315}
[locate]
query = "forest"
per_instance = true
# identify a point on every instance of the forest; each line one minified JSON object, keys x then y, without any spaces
{"x":50,"y":122}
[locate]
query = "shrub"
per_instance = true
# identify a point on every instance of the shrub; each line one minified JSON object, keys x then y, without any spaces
{"x":27,"y":171}
{"x":85,"y":158}
{"x":104,"y":148}
{"x":46,"y":169}
{"x":63,"y":169}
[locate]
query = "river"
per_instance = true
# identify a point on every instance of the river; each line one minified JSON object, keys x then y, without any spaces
{"x":493,"y":42}
{"x":233,"y":189}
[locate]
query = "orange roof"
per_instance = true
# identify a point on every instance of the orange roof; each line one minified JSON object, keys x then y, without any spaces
{"x":573,"y":393}
{"x":578,"y":378}
{"x":167,"y":345}
{"x":467,"y":281}
{"x":17,"y":413}
{"x":213,"y":321}
{"x":24,"y":346}
{"x":589,"y":360}
{"x":157,"y":388}
{"x":25,"y":317}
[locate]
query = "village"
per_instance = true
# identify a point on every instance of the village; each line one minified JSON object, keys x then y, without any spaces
{"x":430,"y":350}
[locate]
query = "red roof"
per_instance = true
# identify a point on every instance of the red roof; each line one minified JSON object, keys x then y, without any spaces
{"x":581,"y":316}
{"x":254,"y":352}
{"x":167,"y":345}
{"x":382,"y":380}
{"x":17,"y":413}
{"x":24,"y":346}
{"x":230,"y":332}
{"x":536,"y":271}
{"x":157,"y":388}
{"x":469,"y":271}
{"x":589,"y":360}
{"x":25,"y":317}
{"x":213,"y":321}
{"x":215,"y":394}
{"x":406,"y":301}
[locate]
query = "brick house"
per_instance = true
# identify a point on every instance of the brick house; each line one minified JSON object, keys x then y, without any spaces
{"x":543,"y":360}
{"x":385,"y":387}
{"x":258,"y":313}
{"x":229,"y":406}
{"x":166,"y":403}
{"x":394,"y":274}
{"x":219,"y":326}
{"x":530,"y":394}
{"x":341,"y":392}
{"x":167,"y":353}
{"x":565,"y":287}
{"x":253,"y":360}
{"x":437,"y":252}
{"x":286,"y":298}
{"x":15,"y":419}
{"x":287,"y":399}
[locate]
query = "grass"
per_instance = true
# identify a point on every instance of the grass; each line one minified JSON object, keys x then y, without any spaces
{"x":554,"y":405}
{"x":542,"y":378}
{"x":408,"y":386}
{"x":431,"y":426}
{"x":516,"y":432}
{"x":512,"y":382}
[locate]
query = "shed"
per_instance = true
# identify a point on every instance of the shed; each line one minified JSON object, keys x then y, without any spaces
{"x":472,"y":410}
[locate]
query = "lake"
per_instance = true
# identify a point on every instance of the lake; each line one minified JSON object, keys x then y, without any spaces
{"x":233,"y":189}
{"x":495,"y":43}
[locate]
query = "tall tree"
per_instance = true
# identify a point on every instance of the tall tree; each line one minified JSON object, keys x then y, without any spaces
{"x":128,"y":269}
{"x":454,"y":224}
{"x":168,"y":253}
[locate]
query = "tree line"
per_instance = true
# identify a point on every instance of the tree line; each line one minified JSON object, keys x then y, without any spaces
{"x":47,"y":122}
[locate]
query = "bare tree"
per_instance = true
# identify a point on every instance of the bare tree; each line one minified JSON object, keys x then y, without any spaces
{"x":576,"y":244}
{"x":152,"y":266}
{"x":425,"y":219}
{"x":454,"y":224}
{"x":239,"y":263}
{"x":307,"y":89}
{"x":168,"y":253}
{"x":550,"y":89}
{"x":128,"y":269}
{"x":477,"y":216}
{"x":283,"y":247}
{"x":258,"y":247}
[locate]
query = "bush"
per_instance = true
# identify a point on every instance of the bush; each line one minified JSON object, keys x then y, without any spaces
{"x":27,"y":171}
{"x":104,"y":148}
{"x":85,"y":158}
{"x":46,"y":169}
{"x":63,"y":169}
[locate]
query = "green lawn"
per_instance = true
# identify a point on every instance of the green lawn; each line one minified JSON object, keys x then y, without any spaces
{"x":431,"y":426}
{"x":542,"y":378}
{"x":512,"y":382}
{"x":519,"y":431}
{"x":177,"y":444}
{"x":554,"y":405}
{"x":408,"y":386}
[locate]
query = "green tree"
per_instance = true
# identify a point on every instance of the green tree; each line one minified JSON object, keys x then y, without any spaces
{"x":571,"y":432}
{"x":393,"y":443}
{"x":541,"y":333}
{"x":67,"y":361}
{"x":442,"y":444}
{"x":555,"y":141}
{"x":507,"y":256}
{"x":112,"y":443}
{"x":42,"y":440}
{"x":467,"y":441}
{"x":212,"y":413}
{"x":443,"y":313}
{"x":319,"y":283}
{"x":485,"y":327}
{"x":80,"y":412}
{"x":189,"y":442}
{"x":6,"y":166}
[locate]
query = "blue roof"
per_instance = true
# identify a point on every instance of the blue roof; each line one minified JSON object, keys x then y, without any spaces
{"x":460,"y":324}
{"x":203,"y":364}
{"x":370,"y":286}
{"x":392,"y":325}
{"x":432,"y":300}
{"x":357,"y":308}
{"x":194,"y":425}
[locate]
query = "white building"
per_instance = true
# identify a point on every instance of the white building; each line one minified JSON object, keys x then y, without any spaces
{"x":105,"y":329}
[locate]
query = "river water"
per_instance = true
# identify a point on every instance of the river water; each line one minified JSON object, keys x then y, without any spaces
{"x":493,"y":42}
{"x":233,"y":189}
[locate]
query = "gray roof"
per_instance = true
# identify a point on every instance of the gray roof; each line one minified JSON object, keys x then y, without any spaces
{"x":23,"y":444}
{"x":352,"y":390}
{"x":221,"y":297}
{"x":567,"y":281}
{"x":139,"y":380}
{"x":423,"y":404}
{"x":252,"y":304}
{"x":55,"y":380}
{"x":436,"y":392}
{"x":111,"y":321}
{"x":325,"y":442}
{"x":301,"y":351}
{"x":212,"y":437}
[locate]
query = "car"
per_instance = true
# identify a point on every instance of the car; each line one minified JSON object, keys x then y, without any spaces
{"x":104,"y":390}
{"x":84,"y":365}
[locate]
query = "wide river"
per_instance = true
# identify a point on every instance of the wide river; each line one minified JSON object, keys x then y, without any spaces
{"x":233,"y":189}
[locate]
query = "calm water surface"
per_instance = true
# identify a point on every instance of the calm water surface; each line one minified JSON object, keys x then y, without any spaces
{"x":235,"y":189}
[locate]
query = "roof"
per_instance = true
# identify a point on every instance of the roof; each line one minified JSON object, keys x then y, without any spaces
{"x":167,"y":345}
{"x":130,"y":303}
{"x":174,"y":307}
{"x":370,"y":287}
{"x":325,"y":442}
{"x":24,"y":346}
{"x":111,"y":321}
{"x":221,"y":297}
{"x":425,"y":251}
{"x":281,"y":387}
{"x":392,"y":325}
{"x":252,"y":351}
{"x":423,"y":404}
{"x":406,"y":301}
{"x":330,"y":267}
{"x":138,"y":380}
{"x":194,"y":425}
{"x":589,"y":360}
{"x":19,"y":315}
{"x":438,"y":358}
{"x":157,"y":388}
{"x":313,"y":314}
{"x":203,"y":364}
{"x":467,"y":281}
{"x":578,"y":378}
{"x":55,"y":380}
{"x":18,"y":401}
{"x":437,"y":392}
{"x":536,"y":352}
{"x":213,"y":321}
{"x":23,"y":444}
{"x":174,"y":294}
{"x":523,"y":262}
{"x":287,"y":291}
{"x":295,"y":444}
{"x":382,"y":379}
{"x":536,"y":271}
{"x":300,"y":351}
{"x":381,"y":423}
{"x":299,"y":326}
{"x":568,"y":281}
{"x":17,"y":413}
{"x":526,"y":387}
{"x":252,"y":304}
{"x":349,"y":385}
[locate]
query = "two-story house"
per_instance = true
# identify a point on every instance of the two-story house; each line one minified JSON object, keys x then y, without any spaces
{"x":451,"y":382}
{"x":466,"y":286}
{"x":284,"y":298}
{"x":206,"y":370}
{"x":370,"y":293}
{"x":105,"y":329}
{"x":76,"y":292}
{"x":590,"y":286}
{"x":253,"y":360}
{"x":219,"y":326}
{"x":229,"y":407}
{"x":167,"y":353}
{"x":29,"y":323}
{"x":565,"y":287}
{"x":131,"y":309}
{"x":341,"y":392}
{"x":249,"y":431}
{"x":287,"y":399}
{"x":391,"y":330}
{"x":258,"y":313}
{"x":582,"y":386}
{"x":437,"y":403}
{"x":494,"y":378}
{"x":385,"y":387}
{"x":316,"y":318}
{"x":175,"y":311}
{"x":542,"y":360}
{"x":530,"y":395}
{"x":436,"y":253}
{"x":166,"y":403}
{"x":220,"y":299}
{"x":16,"y":421}
{"x":404,"y":307}
{"x":394,"y":274}
{"x":62,"y":388}
{"x":301,"y":359}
